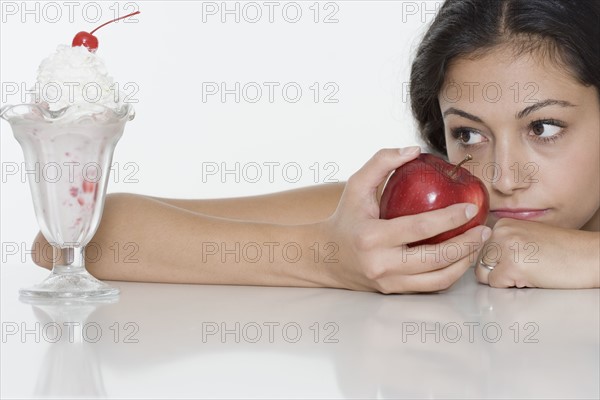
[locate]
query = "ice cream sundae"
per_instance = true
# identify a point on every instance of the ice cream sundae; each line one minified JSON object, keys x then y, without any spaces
{"x":68,"y":134}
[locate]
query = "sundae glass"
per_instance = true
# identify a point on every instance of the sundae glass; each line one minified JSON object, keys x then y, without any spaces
{"x":68,"y":137}
{"x":70,"y":150}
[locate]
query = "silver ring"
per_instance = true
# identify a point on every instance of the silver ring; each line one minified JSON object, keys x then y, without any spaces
{"x":484,"y":265}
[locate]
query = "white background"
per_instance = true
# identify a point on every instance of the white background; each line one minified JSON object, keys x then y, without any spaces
{"x":176,"y":46}
{"x":168,"y":54}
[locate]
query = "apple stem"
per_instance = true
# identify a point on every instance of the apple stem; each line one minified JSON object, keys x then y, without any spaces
{"x":116,"y":19}
{"x":455,"y":169}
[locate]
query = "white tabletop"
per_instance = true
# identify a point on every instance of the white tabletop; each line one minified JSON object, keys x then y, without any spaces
{"x":163,"y":340}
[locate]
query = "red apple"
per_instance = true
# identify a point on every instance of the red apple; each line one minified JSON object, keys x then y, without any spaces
{"x":429,"y":183}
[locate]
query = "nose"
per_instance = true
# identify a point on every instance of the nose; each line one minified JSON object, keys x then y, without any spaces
{"x":512,"y":171}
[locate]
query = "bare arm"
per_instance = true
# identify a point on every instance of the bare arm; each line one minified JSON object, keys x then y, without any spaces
{"x":212,"y":241}
{"x":144,"y":240}
{"x":534,"y":254}
{"x":147,"y":240}
{"x":296,"y":206}
{"x":131,"y":221}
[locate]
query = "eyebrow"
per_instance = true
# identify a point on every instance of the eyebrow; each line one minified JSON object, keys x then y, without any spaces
{"x":521,"y":114}
{"x":462,"y":113}
{"x":549,"y":102}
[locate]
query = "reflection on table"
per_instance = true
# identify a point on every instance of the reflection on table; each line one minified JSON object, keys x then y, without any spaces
{"x":471,"y":341}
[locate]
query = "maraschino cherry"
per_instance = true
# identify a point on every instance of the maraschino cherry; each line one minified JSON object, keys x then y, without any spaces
{"x":89,"y":40}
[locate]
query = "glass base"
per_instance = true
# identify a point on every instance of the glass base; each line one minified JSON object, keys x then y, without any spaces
{"x":73,"y":284}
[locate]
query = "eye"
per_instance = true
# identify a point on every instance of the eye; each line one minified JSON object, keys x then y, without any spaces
{"x":467,"y":137}
{"x":546,"y":128}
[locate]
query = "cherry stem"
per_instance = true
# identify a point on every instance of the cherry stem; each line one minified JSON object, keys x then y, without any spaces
{"x":455,"y":169}
{"x":110,"y":22}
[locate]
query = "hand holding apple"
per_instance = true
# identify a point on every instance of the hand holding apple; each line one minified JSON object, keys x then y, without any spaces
{"x":372,"y":254}
{"x":429,"y":183}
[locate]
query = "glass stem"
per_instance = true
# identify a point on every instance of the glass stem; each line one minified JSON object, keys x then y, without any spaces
{"x":69,"y":260}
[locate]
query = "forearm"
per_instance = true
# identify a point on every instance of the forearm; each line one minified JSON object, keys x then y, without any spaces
{"x":173,"y":245}
{"x":296,"y":206}
{"x":591,"y":258}
{"x":569,"y":259}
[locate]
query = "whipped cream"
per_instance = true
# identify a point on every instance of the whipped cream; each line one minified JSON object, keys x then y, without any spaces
{"x":75,"y":76}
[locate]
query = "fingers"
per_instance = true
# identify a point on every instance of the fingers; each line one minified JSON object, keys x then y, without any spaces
{"x":433,"y":281}
{"x":487,"y":272}
{"x":377,"y":169}
{"x":382,"y":186}
{"x":482,"y":270}
{"x":482,"y":274}
{"x":429,"y":268}
{"x":428,"y":258}
{"x":404,"y":261}
{"x":440,"y":279}
{"x":412,"y":228}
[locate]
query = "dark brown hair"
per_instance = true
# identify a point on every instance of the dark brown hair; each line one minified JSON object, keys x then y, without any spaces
{"x":566,"y":30}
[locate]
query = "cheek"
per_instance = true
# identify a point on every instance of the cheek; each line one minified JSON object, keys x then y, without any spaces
{"x":457,"y":154}
{"x":552,"y":181}
{"x":577,"y":165}
{"x":486,"y":170}
{"x":482,"y":167}
{"x":571,"y":188}
{"x":450,"y":147}
{"x":579,"y":177}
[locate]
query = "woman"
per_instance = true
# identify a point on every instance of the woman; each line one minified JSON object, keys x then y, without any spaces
{"x":515,"y":84}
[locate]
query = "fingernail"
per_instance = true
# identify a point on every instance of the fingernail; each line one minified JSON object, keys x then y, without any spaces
{"x":408,"y":150}
{"x":471,"y":211}
{"x":486,"y":233}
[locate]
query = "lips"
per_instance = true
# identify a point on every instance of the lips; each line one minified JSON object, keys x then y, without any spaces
{"x":519,"y":213}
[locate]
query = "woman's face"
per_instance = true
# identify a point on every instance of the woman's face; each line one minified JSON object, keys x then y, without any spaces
{"x":533,"y":132}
